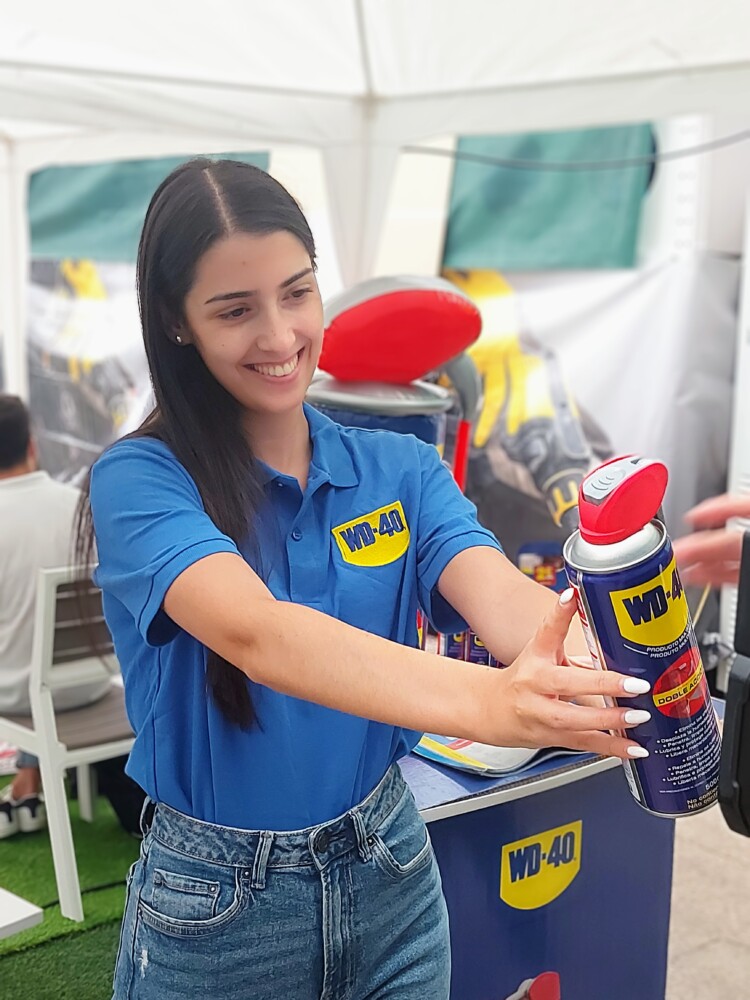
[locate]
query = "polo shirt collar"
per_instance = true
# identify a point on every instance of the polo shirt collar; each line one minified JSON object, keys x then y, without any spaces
{"x":330,"y":457}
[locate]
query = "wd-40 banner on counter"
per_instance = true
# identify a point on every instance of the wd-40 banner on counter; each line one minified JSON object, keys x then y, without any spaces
{"x":563,"y":894}
{"x":578,"y":367}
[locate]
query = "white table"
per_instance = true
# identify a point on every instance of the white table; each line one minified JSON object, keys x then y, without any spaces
{"x":17,"y":914}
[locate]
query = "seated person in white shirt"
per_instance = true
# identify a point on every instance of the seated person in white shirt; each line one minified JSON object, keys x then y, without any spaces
{"x":36,"y":518}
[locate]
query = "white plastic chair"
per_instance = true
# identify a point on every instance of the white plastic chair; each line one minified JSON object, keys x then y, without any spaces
{"x":62,"y":658}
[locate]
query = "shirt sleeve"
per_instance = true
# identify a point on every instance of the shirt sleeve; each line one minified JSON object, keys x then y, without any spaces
{"x":447,"y":525}
{"x":150,"y":526}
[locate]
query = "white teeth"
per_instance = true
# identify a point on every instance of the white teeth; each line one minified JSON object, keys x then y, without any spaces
{"x":277,"y":370}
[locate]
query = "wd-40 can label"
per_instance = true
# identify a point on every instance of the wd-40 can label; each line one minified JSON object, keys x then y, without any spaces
{"x":452,"y":644}
{"x":477,"y":652}
{"x":639,"y":624}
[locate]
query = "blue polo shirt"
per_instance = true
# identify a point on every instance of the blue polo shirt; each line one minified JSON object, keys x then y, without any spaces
{"x":380,"y":519}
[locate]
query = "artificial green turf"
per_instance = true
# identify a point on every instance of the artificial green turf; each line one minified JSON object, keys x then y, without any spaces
{"x":78,"y":967}
{"x":104,"y":853}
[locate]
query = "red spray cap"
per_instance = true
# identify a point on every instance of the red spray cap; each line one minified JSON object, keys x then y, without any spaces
{"x":545,"y":987}
{"x":620,"y":497}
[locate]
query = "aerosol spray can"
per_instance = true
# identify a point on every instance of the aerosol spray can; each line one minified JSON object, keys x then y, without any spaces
{"x":477,"y":652}
{"x":452,"y":644}
{"x":635,"y":616}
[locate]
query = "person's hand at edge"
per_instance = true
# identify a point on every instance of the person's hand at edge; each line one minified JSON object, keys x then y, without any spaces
{"x":711,"y":555}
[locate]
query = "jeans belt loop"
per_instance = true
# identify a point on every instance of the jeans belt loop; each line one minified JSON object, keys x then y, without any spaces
{"x":260,"y":863}
{"x":360,"y":830}
{"x":147,"y":815}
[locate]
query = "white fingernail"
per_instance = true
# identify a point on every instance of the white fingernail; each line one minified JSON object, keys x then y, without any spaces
{"x":637,"y":752}
{"x":635,"y":716}
{"x":567,"y":596}
{"x":634,"y":685}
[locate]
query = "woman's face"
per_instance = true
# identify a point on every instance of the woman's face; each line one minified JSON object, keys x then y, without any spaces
{"x":255,"y":316}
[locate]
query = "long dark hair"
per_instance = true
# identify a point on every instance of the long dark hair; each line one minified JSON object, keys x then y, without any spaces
{"x":200,"y":202}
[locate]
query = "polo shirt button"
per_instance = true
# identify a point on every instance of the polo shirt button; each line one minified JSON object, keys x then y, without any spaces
{"x":296,"y":534}
{"x":279,"y":482}
{"x":321,"y":842}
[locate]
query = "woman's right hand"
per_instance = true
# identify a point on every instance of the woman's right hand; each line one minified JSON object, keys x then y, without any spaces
{"x":539,"y":688}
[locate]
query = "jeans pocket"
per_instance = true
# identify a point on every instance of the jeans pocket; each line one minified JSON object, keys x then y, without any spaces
{"x":401,"y":845}
{"x":183,"y":896}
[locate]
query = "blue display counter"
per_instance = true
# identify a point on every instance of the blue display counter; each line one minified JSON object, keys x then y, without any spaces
{"x":554,"y":871}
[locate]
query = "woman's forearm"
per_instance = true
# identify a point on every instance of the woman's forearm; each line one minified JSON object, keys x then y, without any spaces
{"x":302,"y":652}
{"x":310,"y":655}
{"x":305,"y":653}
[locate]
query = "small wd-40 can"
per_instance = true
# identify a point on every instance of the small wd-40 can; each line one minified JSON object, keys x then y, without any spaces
{"x":636,"y":620}
{"x":477,"y":652}
{"x":452,"y":644}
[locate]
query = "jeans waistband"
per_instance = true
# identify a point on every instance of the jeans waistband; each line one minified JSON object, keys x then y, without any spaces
{"x":259,"y":850}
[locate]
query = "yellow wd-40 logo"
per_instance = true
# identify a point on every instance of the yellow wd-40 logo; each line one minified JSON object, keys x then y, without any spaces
{"x":374,"y":539}
{"x":654,"y":613}
{"x":536,"y":870}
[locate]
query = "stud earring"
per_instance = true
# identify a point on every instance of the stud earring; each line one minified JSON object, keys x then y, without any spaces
{"x":178,"y":339}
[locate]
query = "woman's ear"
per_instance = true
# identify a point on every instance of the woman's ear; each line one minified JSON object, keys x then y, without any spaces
{"x":179,"y":333}
{"x":175,"y":329}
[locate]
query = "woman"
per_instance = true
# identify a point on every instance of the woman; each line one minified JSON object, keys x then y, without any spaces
{"x":265,"y":639}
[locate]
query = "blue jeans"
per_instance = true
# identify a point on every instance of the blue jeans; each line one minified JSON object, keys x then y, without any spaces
{"x":349,"y":910}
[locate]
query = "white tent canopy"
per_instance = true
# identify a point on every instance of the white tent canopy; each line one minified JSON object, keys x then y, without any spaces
{"x":358,"y":79}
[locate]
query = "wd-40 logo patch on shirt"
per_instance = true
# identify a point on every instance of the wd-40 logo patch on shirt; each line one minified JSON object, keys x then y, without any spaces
{"x":366,"y":542}
{"x":374,"y":539}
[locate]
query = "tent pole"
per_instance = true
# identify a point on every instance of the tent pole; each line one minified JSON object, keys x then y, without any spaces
{"x":359,"y":176}
{"x":14,"y":256}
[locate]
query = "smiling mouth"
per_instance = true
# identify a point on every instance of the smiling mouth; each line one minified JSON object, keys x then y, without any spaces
{"x":278,"y":371}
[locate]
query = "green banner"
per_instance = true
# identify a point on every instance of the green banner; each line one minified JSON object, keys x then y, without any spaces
{"x":97,"y":211}
{"x":526,"y":219}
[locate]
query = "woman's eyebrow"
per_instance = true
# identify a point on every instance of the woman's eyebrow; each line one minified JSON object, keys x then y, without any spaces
{"x":226,"y":296}
{"x":296,"y":277}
